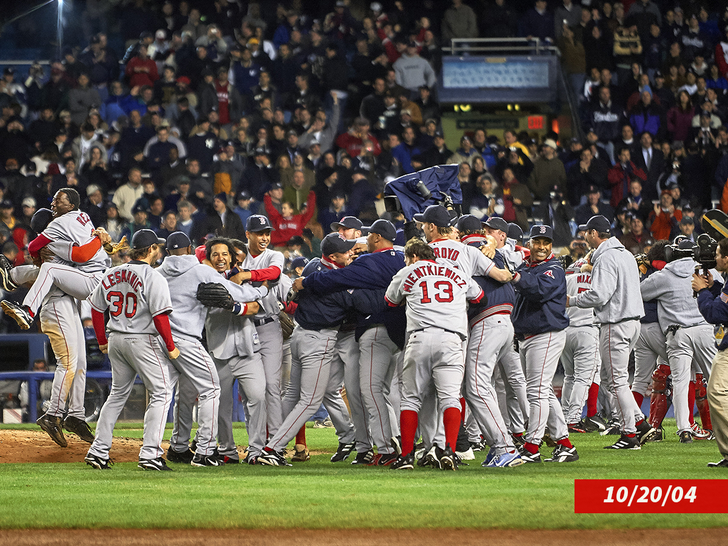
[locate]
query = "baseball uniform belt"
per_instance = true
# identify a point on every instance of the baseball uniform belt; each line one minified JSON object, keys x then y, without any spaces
{"x":261,"y":322}
{"x":461,"y":336}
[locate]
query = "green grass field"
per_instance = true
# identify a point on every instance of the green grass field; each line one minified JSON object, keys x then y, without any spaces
{"x":319,"y":494}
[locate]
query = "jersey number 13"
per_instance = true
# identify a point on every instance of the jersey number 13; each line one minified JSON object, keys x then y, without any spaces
{"x":443,"y":292}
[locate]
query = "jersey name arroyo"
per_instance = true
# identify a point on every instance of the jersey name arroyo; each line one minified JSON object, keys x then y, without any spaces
{"x":446,"y":253}
{"x":123,"y":276}
{"x":432,"y":271}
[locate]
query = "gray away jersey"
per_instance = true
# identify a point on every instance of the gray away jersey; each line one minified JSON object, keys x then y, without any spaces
{"x":267,"y":258}
{"x":576,"y":283}
{"x":76,"y":227}
{"x":133,"y":293}
{"x":436,"y":295}
{"x":469,"y":260}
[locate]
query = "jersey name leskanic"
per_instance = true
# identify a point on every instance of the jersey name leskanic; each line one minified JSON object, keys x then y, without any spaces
{"x":123,"y":276}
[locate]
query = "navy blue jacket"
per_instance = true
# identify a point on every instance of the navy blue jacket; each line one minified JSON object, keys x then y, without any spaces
{"x":713,"y":305}
{"x":540,"y":298}
{"x":650,"y":306}
{"x":371,"y":272}
{"x":499,"y":297}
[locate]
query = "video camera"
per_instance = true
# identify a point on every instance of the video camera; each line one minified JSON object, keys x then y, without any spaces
{"x":703,"y":251}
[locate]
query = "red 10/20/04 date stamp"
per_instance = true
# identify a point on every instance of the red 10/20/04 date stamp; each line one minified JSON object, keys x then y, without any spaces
{"x":650,"y":497}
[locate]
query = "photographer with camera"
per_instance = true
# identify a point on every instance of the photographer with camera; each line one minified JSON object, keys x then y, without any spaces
{"x":555,"y":211}
{"x":689,"y":337}
{"x":713,"y":305}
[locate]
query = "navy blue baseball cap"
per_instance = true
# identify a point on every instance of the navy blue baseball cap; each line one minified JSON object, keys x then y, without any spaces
{"x":383,"y":227}
{"x":298,"y":262}
{"x":515,"y":232}
{"x":347,"y":222}
{"x":334,"y":243}
{"x":434,"y":214}
{"x":144,"y":238}
{"x":542,"y":232}
{"x":257,"y":222}
{"x":494,"y":222}
{"x":470,"y":223}
{"x":598,"y":222}
{"x":178,"y":239}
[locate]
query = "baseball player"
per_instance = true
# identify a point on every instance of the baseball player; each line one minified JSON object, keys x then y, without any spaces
{"x":184,"y":275}
{"x":378,"y":334}
{"x":580,"y":357}
{"x":689,"y":337}
{"x":59,"y":316}
{"x":489,"y":321}
{"x":435,"y":294}
{"x":234,"y":346}
{"x":617,"y":309}
{"x":312,"y":350}
{"x":539,"y":321}
{"x":265,"y":264}
{"x":138,"y":302}
{"x":713,"y":305}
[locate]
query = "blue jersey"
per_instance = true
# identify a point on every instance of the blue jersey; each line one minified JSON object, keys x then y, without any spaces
{"x":650,"y":306}
{"x":540,"y":298}
{"x":713,"y":305}
{"x":499,"y":297}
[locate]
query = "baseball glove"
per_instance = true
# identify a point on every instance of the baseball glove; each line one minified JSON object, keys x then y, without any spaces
{"x":286,"y":324}
{"x":213,"y":294}
{"x":113,"y":248}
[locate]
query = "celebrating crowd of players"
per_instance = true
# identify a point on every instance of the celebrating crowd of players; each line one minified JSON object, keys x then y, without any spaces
{"x":453,"y":338}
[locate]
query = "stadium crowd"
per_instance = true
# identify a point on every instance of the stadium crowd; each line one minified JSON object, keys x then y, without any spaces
{"x":216,"y":111}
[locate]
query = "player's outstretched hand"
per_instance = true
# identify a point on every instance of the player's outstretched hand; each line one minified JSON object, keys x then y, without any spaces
{"x":102,"y":234}
{"x":297,"y":284}
{"x":104,"y":348}
{"x":488,"y":249}
{"x":174,"y":353}
{"x":586,"y":268}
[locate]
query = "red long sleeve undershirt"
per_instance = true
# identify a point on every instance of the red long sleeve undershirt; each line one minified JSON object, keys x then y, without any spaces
{"x":268,"y":274}
{"x":37,"y":244}
{"x":161,"y":323}
{"x":79,"y":254}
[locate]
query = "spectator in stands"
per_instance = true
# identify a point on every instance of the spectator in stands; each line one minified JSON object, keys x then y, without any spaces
{"x":459,"y":21}
{"x":538,"y":22}
{"x":635,"y":202}
{"x":258,"y":177}
{"x":286,"y":224}
{"x":555,"y":211}
{"x":588,"y":172}
{"x":128,"y":194}
{"x":680,"y":117}
{"x":81,"y":99}
{"x":637,"y":238}
{"x":648,"y":116}
{"x":651,"y":161}
{"x":548,"y":171}
{"x":517,"y":200}
{"x":664,"y":217}
{"x":406,"y":150}
{"x":412,"y":71}
{"x":568,"y":15}
{"x":593,"y":206}
{"x":621,"y":174}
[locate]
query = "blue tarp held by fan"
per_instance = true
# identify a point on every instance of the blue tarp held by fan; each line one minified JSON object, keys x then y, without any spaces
{"x":441,"y":181}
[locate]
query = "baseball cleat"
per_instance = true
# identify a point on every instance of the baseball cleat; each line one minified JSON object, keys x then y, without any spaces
{"x":193,"y":446}
{"x":594,"y":423}
{"x":645,"y":433}
{"x":528,"y":457}
{"x":53,"y":425}
{"x":504,"y":460}
{"x":448,"y":460}
{"x":612,"y":428}
{"x":466,"y":455}
{"x":478,"y":446}
{"x":403,"y":462}
{"x":184,"y":457}
{"x":701,"y":433}
{"x":206,"y":460}
{"x":433,"y":458}
{"x":578,"y":428}
{"x":343,"y":452}
{"x":563,"y":454}
{"x":363,"y":458}
{"x":396,"y":443}
{"x":250,"y":459}
{"x":625,"y":442}
{"x":721,"y":463}
{"x":490,"y":456}
{"x":79,"y":427}
{"x":300,"y":454}
{"x":383,"y":459}
{"x":686,"y":437}
{"x":548,"y":440}
{"x":5,"y":267}
{"x":158,"y":464}
{"x":19,"y":314}
{"x":271,"y":458}
{"x":518,"y":439}
{"x":97,"y":462}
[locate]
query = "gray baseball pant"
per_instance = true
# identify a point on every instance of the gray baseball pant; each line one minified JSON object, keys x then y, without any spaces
{"x":580,"y":357}
{"x":488,"y":341}
{"x":540,"y":356}
{"x":348,"y":352}
{"x":376,"y":369}
{"x":685,"y":346}
{"x":311,"y":355}
{"x":615,"y":343}
{"x":346,"y":347}
{"x":271,"y":352}
{"x":514,"y":388}
{"x":132,"y":354}
{"x":649,"y":352}
{"x":251,"y":379}
{"x":70,"y":280}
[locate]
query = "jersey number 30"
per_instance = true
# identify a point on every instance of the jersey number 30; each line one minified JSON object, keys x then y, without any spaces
{"x":118,"y":304}
{"x":443,"y":294}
